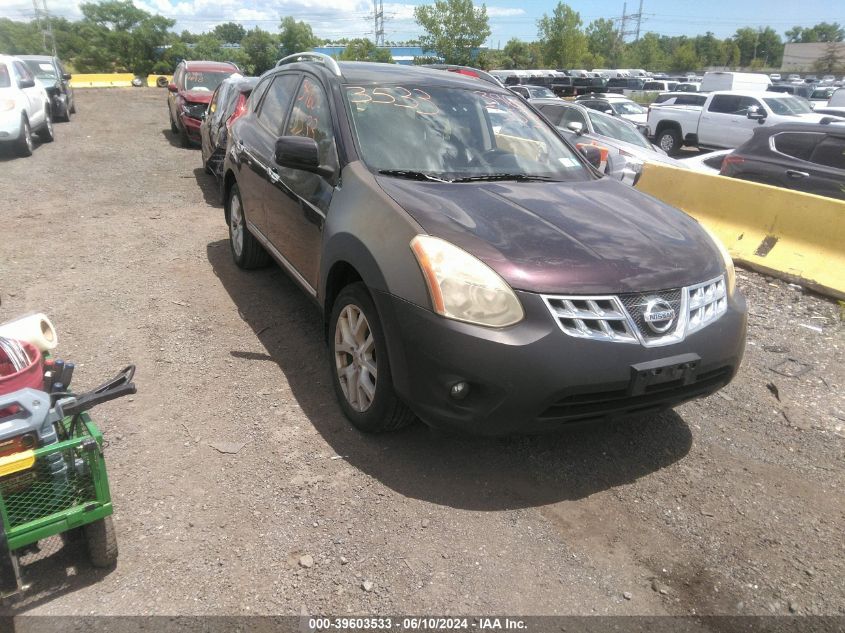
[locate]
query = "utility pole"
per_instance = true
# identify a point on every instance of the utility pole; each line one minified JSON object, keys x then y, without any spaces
{"x":46,"y":33}
{"x":622,"y":31}
{"x":378,"y":13}
{"x":639,"y":21}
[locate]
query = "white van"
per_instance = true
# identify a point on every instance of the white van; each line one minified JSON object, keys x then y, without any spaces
{"x":719,"y":80}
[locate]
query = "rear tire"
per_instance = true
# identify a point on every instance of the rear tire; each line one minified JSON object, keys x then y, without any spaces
{"x":359,"y":364}
{"x":102,"y":542}
{"x":670,"y":141}
{"x":246,"y":250}
{"x":72,"y":109}
{"x":47,"y":134}
{"x":24,"y":143}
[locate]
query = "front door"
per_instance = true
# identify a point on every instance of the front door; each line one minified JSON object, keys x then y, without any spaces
{"x":300,"y":199}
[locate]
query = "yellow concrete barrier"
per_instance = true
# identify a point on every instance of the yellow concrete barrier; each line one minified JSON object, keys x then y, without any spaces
{"x":110,"y":80}
{"x":795,"y":236}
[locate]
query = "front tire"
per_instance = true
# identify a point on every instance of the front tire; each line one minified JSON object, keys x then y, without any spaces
{"x":669,"y":140}
{"x":102,"y":542}
{"x":173,"y":127}
{"x":359,"y":364}
{"x":47,"y":134}
{"x":24,"y":143}
{"x":246,"y":250}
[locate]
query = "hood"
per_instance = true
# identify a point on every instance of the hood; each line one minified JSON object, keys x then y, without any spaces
{"x":597,"y":236}
{"x":197,"y":96}
{"x":636,"y":118}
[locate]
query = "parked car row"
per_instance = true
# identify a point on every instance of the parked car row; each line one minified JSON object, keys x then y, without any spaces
{"x":26,"y":106}
{"x":472,"y":266}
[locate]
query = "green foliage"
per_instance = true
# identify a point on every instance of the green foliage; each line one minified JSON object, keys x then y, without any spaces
{"x":230,"y":32}
{"x":563,"y":42}
{"x":647,"y":53}
{"x":605,"y":43}
{"x":295,"y":37}
{"x":821,"y":32}
{"x":453,"y":28}
{"x":364,"y":50}
{"x":261,"y":51}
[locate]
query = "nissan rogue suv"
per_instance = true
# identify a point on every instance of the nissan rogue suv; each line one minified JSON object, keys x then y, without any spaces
{"x":480,"y":277}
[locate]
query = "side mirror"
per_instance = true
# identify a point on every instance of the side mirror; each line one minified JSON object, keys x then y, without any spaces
{"x":756,"y":114}
{"x":66,"y":76}
{"x":575,"y":126}
{"x":592,"y":153}
{"x":26,"y":83}
{"x":609,"y":111}
{"x":172,"y":87}
{"x":300,"y":152}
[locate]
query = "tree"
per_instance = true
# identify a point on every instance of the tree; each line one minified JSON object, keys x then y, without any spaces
{"x":832,"y":60}
{"x":261,"y":50}
{"x":564,"y":44}
{"x":604,"y":42}
{"x":517,"y":54}
{"x":295,"y":37}
{"x":363,"y":50}
{"x":684,"y":58}
{"x":453,"y":29}
{"x":646,"y":53}
{"x":230,"y":32}
{"x":821,"y":32}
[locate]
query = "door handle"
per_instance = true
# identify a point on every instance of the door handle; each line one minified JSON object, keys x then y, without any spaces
{"x":273,"y":175}
{"x":797,"y":175}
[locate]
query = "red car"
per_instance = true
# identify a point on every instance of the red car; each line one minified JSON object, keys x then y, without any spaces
{"x":188,"y":95}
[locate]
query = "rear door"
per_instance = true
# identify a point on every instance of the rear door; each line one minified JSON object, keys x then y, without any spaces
{"x":827,"y":176}
{"x":725,"y":122}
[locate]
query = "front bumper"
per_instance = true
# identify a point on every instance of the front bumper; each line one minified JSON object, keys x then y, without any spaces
{"x":192,"y":127}
{"x":533,"y":377}
{"x":10,"y":125}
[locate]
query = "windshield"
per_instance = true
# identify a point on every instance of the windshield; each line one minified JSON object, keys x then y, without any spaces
{"x":627,"y":107}
{"x":541,"y":93}
{"x":789,"y":106}
{"x":5,"y":80}
{"x":42,"y":70}
{"x":204,"y":81}
{"x":608,"y":126}
{"x":453,"y":133}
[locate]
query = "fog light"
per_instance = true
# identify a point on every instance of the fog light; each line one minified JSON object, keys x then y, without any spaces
{"x":459,"y":390}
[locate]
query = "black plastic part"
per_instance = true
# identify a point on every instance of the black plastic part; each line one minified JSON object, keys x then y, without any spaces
{"x":92,"y":399}
{"x":8,"y":573}
{"x":681,"y":369}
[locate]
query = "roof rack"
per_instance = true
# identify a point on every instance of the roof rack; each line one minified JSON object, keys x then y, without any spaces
{"x":310,"y":56}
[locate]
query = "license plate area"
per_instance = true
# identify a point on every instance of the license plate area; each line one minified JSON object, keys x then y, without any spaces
{"x":655,"y":375}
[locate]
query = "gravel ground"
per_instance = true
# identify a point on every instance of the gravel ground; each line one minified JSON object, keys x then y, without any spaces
{"x":729,"y":505}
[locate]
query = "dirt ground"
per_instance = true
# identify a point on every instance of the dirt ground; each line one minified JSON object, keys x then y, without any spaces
{"x":730,"y":505}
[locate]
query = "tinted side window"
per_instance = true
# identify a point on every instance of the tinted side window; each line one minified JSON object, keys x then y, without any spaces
{"x":691,"y":100}
{"x":276,"y":103}
{"x":312,"y":117}
{"x":552,"y":113}
{"x":745,"y":103}
{"x":724,"y":104}
{"x":572,"y":115}
{"x":830,"y":152}
{"x":23,"y":71}
{"x":796,"y":144}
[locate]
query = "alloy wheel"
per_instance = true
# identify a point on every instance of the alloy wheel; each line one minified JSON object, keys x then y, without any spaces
{"x":236,"y":225}
{"x":27,"y":135}
{"x":355,"y":358}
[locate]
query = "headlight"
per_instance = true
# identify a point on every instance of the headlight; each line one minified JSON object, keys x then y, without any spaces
{"x":730,"y":271}
{"x":464,"y":288}
{"x":7,"y":104}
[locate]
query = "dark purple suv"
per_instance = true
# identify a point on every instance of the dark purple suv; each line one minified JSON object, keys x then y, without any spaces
{"x":473,"y":269}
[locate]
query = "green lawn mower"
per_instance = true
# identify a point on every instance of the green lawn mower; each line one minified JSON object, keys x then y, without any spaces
{"x":52,"y":473}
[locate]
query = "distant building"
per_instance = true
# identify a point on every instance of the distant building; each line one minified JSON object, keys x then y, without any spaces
{"x":803,"y":57}
{"x":401,"y":54}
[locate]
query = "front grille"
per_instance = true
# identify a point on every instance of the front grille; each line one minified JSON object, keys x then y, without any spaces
{"x":622,"y":318}
{"x":587,"y":405}
{"x":636,"y":303}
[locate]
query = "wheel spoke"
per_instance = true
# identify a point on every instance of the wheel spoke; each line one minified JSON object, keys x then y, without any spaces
{"x":354,"y":349}
{"x":368,"y":345}
{"x":370,"y":367}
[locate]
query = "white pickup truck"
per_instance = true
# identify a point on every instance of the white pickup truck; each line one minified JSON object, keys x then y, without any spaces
{"x":725,"y":121}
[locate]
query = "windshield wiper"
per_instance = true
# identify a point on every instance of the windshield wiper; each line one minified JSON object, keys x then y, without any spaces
{"x":517,"y":177}
{"x":412,"y":175}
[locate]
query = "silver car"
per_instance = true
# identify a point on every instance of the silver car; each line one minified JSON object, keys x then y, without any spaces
{"x":628,"y":148}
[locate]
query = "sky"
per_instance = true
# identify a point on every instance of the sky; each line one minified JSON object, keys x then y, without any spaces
{"x":508,"y":18}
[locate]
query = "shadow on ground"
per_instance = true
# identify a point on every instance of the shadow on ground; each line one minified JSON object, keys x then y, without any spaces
{"x":463,"y":472}
{"x":58,"y":568}
{"x":210,"y":188}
